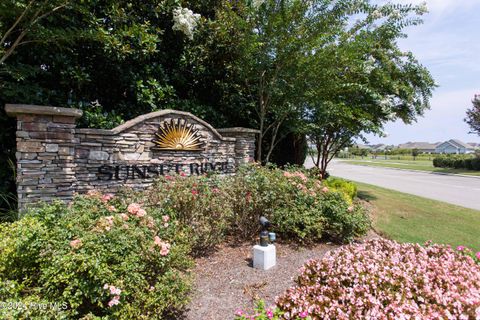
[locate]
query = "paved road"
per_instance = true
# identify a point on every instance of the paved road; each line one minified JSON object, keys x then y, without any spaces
{"x":462,"y":191}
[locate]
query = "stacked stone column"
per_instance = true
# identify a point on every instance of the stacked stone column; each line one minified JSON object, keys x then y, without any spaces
{"x":45,"y":152}
{"x":244,"y":144}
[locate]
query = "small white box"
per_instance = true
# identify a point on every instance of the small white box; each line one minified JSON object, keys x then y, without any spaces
{"x":264,"y":257}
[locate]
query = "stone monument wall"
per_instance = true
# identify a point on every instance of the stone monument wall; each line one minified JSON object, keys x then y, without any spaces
{"x":56,"y":160}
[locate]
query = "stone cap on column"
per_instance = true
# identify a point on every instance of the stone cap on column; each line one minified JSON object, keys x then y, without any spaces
{"x":15,"y":109}
{"x":238,"y":131}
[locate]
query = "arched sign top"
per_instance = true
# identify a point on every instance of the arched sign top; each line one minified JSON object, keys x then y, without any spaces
{"x":164,"y":113}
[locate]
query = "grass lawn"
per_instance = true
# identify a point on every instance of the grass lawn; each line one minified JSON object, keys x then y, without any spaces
{"x":408,"y":218}
{"x":422,"y":165}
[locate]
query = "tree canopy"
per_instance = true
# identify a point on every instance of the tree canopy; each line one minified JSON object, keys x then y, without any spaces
{"x":329,"y":69}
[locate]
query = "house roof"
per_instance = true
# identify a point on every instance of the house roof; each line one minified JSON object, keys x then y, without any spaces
{"x":461,"y":143}
{"x":417,"y":145}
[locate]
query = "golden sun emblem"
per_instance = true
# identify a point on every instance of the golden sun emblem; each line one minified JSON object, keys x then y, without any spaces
{"x":177,"y":135}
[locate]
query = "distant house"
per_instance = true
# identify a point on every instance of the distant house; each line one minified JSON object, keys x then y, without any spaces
{"x":474,"y":145}
{"x":454,"y":146}
{"x":361,"y":146}
{"x":424,"y":147}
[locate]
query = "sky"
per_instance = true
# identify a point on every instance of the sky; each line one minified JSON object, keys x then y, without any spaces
{"x":448,"y":44}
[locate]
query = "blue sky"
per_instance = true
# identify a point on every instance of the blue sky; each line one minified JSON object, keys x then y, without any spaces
{"x":448,"y":44}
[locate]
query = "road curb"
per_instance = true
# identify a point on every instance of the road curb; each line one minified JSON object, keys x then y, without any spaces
{"x":411,"y":170}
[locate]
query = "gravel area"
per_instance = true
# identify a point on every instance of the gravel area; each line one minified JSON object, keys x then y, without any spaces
{"x":226,"y":281}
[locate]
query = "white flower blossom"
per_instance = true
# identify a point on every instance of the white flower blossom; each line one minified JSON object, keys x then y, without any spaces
{"x":422,"y":8}
{"x":257,"y":3}
{"x":396,"y":14}
{"x":376,"y":14}
{"x":185,"y":21}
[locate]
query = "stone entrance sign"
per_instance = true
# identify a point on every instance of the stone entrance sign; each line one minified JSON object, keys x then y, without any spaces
{"x":55,"y":159}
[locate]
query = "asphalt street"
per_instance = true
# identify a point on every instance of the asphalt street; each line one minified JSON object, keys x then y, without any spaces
{"x":462,"y":191}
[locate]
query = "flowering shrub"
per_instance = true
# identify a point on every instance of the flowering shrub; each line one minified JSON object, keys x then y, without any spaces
{"x":197,"y":203}
{"x":96,"y":258}
{"x":300,"y":207}
{"x":382,"y":279}
{"x":470,"y":253}
{"x":185,"y":21}
{"x":261,"y":313}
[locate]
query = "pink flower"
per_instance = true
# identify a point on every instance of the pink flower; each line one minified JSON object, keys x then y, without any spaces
{"x":478,"y":255}
{"x":106,"y":286}
{"x":115,"y":291}
{"x":165,"y":249}
{"x":194,"y":192}
{"x":133,"y":208}
{"x":269,"y":314}
{"x":183,"y":174}
{"x":169,"y":178}
{"x":141,"y":213}
{"x":350,"y":209}
{"x":460,"y":248}
{"x":111,"y":209}
{"x":164,"y":246}
{"x":124,"y":216}
{"x":239,"y":312}
{"x":303,"y":314}
{"x":151,"y":288}
{"x":165,"y":218}
{"x":107,"y":197}
{"x":325,"y":189}
{"x":114,"y":301}
{"x":75,"y":244}
{"x":216,"y":190}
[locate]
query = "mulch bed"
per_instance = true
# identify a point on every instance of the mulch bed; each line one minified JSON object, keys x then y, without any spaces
{"x":225,"y":281}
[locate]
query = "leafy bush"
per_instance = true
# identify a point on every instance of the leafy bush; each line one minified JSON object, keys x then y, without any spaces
{"x":300,"y":208}
{"x":197,"y":203}
{"x":457,"y":161}
{"x":347,"y":188}
{"x":261,"y":313}
{"x":96,"y":258}
{"x":383,"y":279}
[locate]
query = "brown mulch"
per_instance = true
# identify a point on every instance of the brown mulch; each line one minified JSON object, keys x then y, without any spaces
{"x":225,"y":281}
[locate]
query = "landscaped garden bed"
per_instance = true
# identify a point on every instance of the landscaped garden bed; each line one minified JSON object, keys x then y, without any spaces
{"x":131,"y":255}
{"x":144,"y":255}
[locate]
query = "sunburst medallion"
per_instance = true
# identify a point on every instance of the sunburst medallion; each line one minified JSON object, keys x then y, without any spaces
{"x":177,"y":135}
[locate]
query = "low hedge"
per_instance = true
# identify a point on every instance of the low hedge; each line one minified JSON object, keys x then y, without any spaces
{"x":469,"y":162}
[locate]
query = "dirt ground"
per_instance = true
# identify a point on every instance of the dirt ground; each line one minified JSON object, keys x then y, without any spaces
{"x":225,"y":281}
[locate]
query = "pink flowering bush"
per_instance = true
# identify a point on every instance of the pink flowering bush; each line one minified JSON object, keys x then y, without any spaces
{"x":129,"y":263}
{"x":260,"y":313}
{"x":475,"y":255}
{"x":382,"y":279}
{"x":300,"y":206}
{"x":196,"y":203}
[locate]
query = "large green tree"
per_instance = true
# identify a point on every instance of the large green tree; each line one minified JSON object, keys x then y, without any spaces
{"x":473,"y":115}
{"x":366,"y":81}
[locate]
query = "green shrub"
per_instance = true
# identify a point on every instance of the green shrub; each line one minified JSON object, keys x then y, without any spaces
{"x":97,"y":258}
{"x":457,"y":161}
{"x":347,"y":188}
{"x":343,"y":222}
{"x":197,"y":203}
{"x":216,"y":207}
